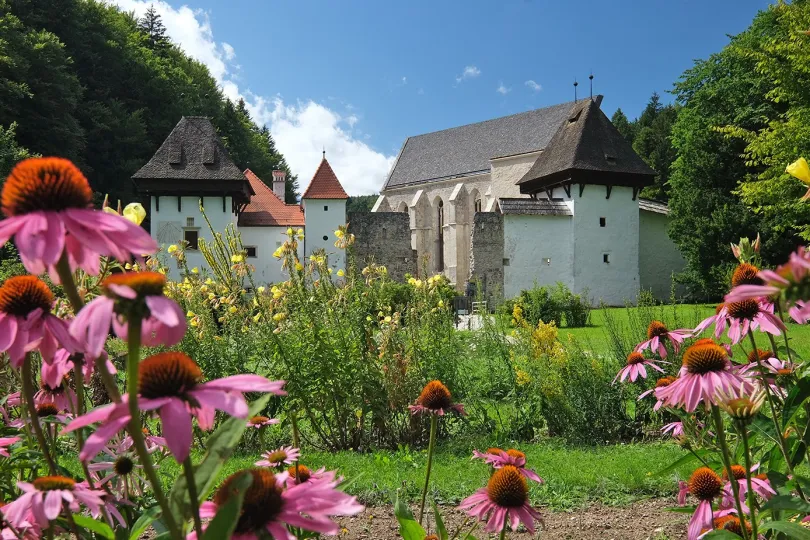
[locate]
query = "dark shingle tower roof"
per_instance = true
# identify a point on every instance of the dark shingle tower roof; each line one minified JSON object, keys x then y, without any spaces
{"x":466,"y":150}
{"x":588,"y":149}
{"x":194,"y":161}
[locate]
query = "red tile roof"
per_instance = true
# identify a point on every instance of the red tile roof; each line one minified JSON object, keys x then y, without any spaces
{"x":266,"y":209}
{"x":324,"y":184}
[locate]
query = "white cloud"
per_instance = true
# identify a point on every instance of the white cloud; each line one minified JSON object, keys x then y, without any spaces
{"x":503,"y":90}
{"x":470,"y":72}
{"x":535,"y":87}
{"x":301,"y":130}
{"x":404,"y":81}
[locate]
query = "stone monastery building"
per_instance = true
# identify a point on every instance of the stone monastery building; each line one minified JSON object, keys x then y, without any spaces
{"x":192,"y":168}
{"x":538,"y":197}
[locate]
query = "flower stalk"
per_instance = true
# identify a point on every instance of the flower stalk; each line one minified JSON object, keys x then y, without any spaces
{"x":434,"y":422}
{"x":28,"y":395}
{"x":724,"y":452}
{"x":188,"y":470}
{"x":751,"y":497}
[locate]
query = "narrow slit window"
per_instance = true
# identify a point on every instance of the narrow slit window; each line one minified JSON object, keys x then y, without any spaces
{"x":602,"y":222}
{"x":325,"y":208}
{"x":606,"y":258}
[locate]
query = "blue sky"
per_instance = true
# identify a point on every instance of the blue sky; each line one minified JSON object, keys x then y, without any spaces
{"x":358,"y":77}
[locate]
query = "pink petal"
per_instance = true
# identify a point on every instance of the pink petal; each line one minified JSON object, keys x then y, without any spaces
{"x":8,"y":330}
{"x":53,"y":504}
{"x":232,"y":403}
{"x":176,"y":428}
{"x":248,"y":383}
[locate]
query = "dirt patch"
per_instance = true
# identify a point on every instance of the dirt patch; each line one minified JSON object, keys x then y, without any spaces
{"x":640,"y":521}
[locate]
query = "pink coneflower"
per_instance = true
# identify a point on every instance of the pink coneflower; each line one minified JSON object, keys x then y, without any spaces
{"x":719,"y":320}
{"x":43,"y":498}
{"x":705,"y":370}
{"x":760,"y":485}
{"x":674,"y":428}
{"x":752,"y":314}
{"x":257,"y":422}
{"x":635,"y":367}
{"x":660,"y":383}
{"x":657,"y":333}
{"x":505,"y":501}
{"x":62,"y":396}
{"x":27,"y":530}
{"x":705,"y":485}
{"x":48,"y":204}
{"x":436,"y":399}
{"x":285,"y":455}
{"x":299,"y":474}
{"x":64,"y":361}
{"x":500,"y":458}
{"x":5,"y":442}
{"x":163,"y":323}
{"x":119,"y":472}
{"x":269,"y":508}
{"x":170,"y":383}
{"x":26,"y":322}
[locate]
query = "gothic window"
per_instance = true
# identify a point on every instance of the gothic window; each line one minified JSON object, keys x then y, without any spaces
{"x":477,"y":205}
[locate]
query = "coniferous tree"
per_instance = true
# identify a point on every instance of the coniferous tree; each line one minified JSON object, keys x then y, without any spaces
{"x":151,"y":24}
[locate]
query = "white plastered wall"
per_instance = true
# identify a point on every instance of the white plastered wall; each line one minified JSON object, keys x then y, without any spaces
{"x":323,"y":217}
{"x":658,"y":256}
{"x":265,"y":240}
{"x":537,"y":249}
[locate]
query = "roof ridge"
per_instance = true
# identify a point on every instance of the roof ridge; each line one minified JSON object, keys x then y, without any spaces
{"x":264,"y":185}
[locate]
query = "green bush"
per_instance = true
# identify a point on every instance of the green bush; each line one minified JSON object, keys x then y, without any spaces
{"x":576,"y":308}
{"x":558,"y":305}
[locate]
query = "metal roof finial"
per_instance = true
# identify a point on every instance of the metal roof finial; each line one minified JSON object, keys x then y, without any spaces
{"x":591,"y":78}
{"x":575,"y":88}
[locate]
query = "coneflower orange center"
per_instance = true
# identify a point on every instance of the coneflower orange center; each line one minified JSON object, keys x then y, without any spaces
{"x":47,"y":409}
{"x":431,"y":537}
{"x":515,"y":453}
{"x":664,"y":381}
{"x":635,"y":358}
{"x":277,"y":456}
{"x":656,"y":328}
{"x":746,"y":274}
{"x":262,"y":502}
{"x":435,"y":396}
{"x":49,"y":184}
{"x":737,"y":470}
{"x":507,"y":487}
{"x":700,"y":359}
{"x":705,"y":484}
{"x":719,"y":308}
{"x":51,"y":483}
{"x":732,"y":524}
{"x":123,"y":465}
{"x":494,"y":451}
{"x":143,"y":283}
{"x":167,"y":374}
{"x":20,"y":295}
{"x":784,"y":372}
{"x":759,"y":354}
{"x":256,"y":420}
{"x":705,"y":341}
{"x":744,"y":309}
{"x":302,"y":473}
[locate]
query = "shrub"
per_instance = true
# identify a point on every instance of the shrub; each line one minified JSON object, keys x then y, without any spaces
{"x":576,"y":308}
{"x":537,"y":304}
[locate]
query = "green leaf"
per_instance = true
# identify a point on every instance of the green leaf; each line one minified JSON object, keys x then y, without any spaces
{"x":219,"y":447}
{"x":722,"y":534}
{"x":98,"y":527}
{"x":787,"y":502}
{"x":798,"y":394}
{"x":409,"y":529}
{"x":224,"y":523}
{"x":143,"y":522}
{"x":680,"y":509}
{"x":688,"y":458}
{"x":792,"y":530}
{"x":440,"y":528}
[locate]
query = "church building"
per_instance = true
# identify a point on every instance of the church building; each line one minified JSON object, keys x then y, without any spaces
{"x":544,"y":196}
{"x":192,"y":170}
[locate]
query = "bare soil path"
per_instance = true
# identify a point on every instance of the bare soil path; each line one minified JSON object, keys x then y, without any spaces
{"x":640,"y":521}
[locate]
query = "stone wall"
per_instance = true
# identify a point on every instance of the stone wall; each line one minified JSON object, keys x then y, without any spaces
{"x":384,"y":238}
{"x":486,"y":255}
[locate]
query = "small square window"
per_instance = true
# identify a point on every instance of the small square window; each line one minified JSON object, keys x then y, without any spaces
{"x":547,"y":261}
{"x":325,"y":208}
{"x":250,"y":251}
{"x":606,"y":258}
{"x":189,"y":222}
{"x":325,"y":238}
{"x":506,"y":262}
{"x":192,"y":238}
{"x":602,"y":222}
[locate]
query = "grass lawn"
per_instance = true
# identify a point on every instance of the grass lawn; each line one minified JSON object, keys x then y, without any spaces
{"x":575,"y":476}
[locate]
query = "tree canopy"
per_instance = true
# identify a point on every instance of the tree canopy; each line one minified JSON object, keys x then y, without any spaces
{"x":83,"y":80}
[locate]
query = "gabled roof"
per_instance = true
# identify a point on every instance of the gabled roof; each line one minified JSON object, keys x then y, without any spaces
{"x":324,"y":184}
{"x":534,"y":207}
{"x":266,"y":209}
{"x":192,"y":159}
{"x":467,"y":150}
{"x":653,"y":206}
{"x":587,"y":148}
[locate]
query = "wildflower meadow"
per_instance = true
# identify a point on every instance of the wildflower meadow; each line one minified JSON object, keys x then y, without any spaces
{"x":128,"y":395}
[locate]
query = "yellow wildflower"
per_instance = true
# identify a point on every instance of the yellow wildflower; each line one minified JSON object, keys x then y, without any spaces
{"x":278,"y":317}
{"x":195,"y":270}
{"x":278,"y":252}
{"x":135,"y":213}
{"x":260,"y":289}
{"x":341,"y":273}
{"x":339,"y":233}
{"x":289,"y":231}
{"x":237,"y":258}
{"x":109,"y":210}
{"x":387,"y":319}
{"x":299,"y":266}
{"x":194,"y":322}
{"x":800,"y":170}
{"x":172,"y":248}
{"x":257,"y":317}
{"x":191,"y":314}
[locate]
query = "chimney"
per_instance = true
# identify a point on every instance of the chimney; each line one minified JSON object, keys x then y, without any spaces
{"x":279,"y":180}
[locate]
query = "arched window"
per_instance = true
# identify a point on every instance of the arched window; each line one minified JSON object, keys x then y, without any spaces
{"x":477,"y":205}
{"x":440,"y":236}
{"x":441,"y":215}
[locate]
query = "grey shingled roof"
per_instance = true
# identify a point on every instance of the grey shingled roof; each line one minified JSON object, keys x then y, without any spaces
{"x":587,"y":148}
{"x":653,"y":206}
{"x":192,"y":151}
{"x":467,"y":149}
{"x":535,"y":207}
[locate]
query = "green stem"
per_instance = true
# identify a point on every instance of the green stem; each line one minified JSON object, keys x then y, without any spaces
{"x":68,"y":284}
{"x":78,"y":379}
{"x":28,"y":394}
{"x":188,"y":469}
{"x":503,"y":532}
{"x":751,"y":498}
{"x":434,"y":421}
{"x":779,"y":438}
{"x":784,"y":334}
{"x":735,"y":487}
{"x":135,"y":429}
